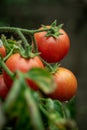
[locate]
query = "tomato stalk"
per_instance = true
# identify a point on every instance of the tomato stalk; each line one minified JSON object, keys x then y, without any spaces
{"x":51,"y":67}
{"x":28,"y":50}
{"x":8,"y":55}
{"x":34,"y":43}
{"x":25,"y":42}
{"x":53,"y":31}
{"x":20,"y":33}
{"x":53,"y":28}
{"x":25,"y":50}
{"x":25,"y":31}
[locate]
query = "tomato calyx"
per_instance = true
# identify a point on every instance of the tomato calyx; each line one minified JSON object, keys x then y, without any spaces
{"x":27,"y":53}
{"x":10,"y":46}
{"x":52,"y":68}
{"x":53,"y":30}
{"x":13,"y":46}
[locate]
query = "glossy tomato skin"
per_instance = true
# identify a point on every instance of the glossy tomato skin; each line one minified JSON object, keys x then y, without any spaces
{"x":52,"y":49}
{"x":2,"y":51}
{"x":66,"y":85}
{"x":3,"y":88}
{"x":17,"y":62}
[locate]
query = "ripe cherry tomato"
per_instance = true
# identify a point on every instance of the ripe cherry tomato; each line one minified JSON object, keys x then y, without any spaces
{"x":3,"y":88}
{"x":66,"y":85}
{"x":52,"y":49}
{"x":17,"y":62}
{"x":2,"y":51}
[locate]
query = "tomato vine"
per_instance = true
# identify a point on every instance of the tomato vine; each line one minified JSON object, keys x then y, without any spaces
{"x":24,"y":107}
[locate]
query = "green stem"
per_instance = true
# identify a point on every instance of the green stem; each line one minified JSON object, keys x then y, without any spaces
{"x":11,"y":74}
{"x":48,"y":65}
{"x":34,"y":43}
{"x":20,"y":32}
{"x":26,"y":31}
{"x":25,"y":42}
{"x":3,"y":38}
{"x":8,"y":55}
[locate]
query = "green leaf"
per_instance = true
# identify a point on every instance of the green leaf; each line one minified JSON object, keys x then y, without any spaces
{"x":21,"y":104}
{"x":70,"y":108}
{"x":33,"y":111}
{"x":54,"y":111}
{"x":54,"y":107}
{"x":42,"y":78}
{"x":57,"y":107}
{"x":13,"y":94}
{"x":54,"y":23}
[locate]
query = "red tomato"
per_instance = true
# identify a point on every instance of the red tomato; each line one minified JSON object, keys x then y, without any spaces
{"x":2,"y":51}
{"x":66,"y":85}
{"x":3,"y":88}
{"x":52,"y":49}
{"x":17,"y":62}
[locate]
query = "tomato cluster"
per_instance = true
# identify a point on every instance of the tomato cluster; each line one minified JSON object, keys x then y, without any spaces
{"x":52,"y":44}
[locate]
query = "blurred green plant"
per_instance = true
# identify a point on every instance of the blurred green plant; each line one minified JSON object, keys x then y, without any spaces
{"x":24,"y":108}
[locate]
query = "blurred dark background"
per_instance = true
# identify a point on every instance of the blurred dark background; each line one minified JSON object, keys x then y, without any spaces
{"x":31,"y":14}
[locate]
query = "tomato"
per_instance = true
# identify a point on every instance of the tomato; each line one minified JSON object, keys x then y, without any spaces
{"x":66,"y":85}
{"x":17,"y":62}
{"x":3,"y":88}
{"x":2,"y":51}
{"x":52,"y":49}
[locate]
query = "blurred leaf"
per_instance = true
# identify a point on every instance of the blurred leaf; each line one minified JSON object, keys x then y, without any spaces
{"x":54,"y":110}
{"x":13,"y":94}
{"x":54,"y":107}
{"x":42,"y":78}
{"x":33,"y":110}
{"x":20,"y":105}
{"x":70,"y":108}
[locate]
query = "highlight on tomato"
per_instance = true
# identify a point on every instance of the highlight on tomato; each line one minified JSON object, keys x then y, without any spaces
{"x":17,"y":62}
{"x":54,"y":44}
{"x":66,"y":85}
